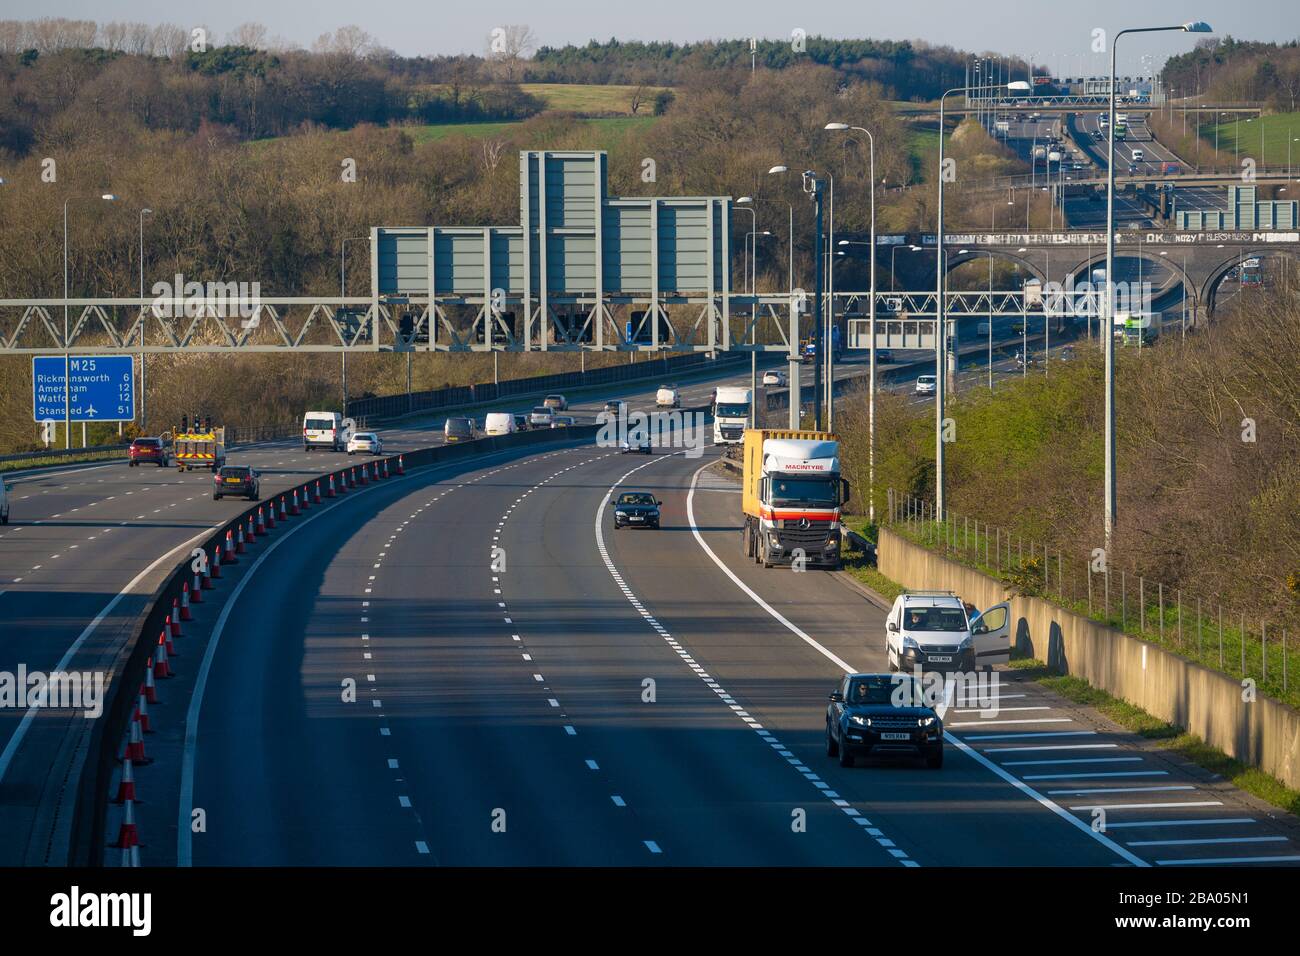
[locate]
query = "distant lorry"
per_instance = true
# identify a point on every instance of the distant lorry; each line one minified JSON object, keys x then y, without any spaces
{"x":199,"y":446}
{"x":792,"y":496}
{"x":731,"y":407}
{"x":1136,"y":328}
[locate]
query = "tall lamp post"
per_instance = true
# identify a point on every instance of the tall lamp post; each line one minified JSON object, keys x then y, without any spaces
{"x":67,"y":359}
{"x":871,"y":325}
{"x":144,"y":386}
{"x":343,"y":292}
{"x":940,"y":324}
{"x":1198,"y":26}
{"x":747,"y":201}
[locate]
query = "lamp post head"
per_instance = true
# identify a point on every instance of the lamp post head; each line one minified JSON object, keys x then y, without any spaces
{"x":778,"y":169}
{"x":1197,"y":26}
{"x":109,"y":197}
{"x":836,"y":126}
{"x":744,"y":200}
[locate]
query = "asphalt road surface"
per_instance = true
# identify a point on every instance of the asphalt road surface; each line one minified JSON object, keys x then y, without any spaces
{"x":631,"y":697}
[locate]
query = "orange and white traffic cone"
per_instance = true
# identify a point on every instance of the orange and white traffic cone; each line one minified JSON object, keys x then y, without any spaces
{"x":293,"y":503}
{"x":230,"y":557}
{"x":283,"y":515}
{"x":130,"y":858}
{"x":186,"y":614}
{"x":252,"y":530}
{"x":270,"y":514}
{"x":401,"y":466}
{"x":135,"y":747}
{"x":330,"y":493}
{"x":240,"y":546}
{"x":261,"y":520}
{"x":363,"y":475}
{"x":214,"y":569}
{"x":161,"y":668}
{"x":315,"y":494}
{"x":141,"y":714}
{"x":128,"y":835}
{"x":174,"y":621}
{"x":126,"y":786}
{"x":196,"y":592}
{"x":386,"y":475}
{"x":149,"y":688}
{"x":166,"y":638}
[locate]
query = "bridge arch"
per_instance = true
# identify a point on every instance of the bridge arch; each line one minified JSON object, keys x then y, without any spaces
{"x":1219,"y":272}
{"x":979,"y":253}
{"x":1083,"y":271}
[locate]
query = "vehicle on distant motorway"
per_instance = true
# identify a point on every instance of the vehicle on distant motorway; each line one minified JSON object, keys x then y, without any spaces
{"x":775,"y":376}
{"x":240,"y":480}
{"x":563,"y":421}
{"x":365,"y":441}
{"x":1139,"y":155}
{"x":322,"y":430}
{"x":199,"y":449}
{"x":1067,"y":353}
{"x":557,"y":402}
{"x":541,"y":416}
{"x":636,"y":443}
{"x":792,"y":494}
{"x":521,"y":422}
{"x":499,"y":423}
{"x":636,"y":509}
{"x":930,"y":630}
{"x":459,"y":429}
{"x":4,"y":503}
{"x":615,"y":408}
{"x":668,"y":397}
{"x":151,"y":450}
{"x":925,"y":384}
{"x":880,"y":715}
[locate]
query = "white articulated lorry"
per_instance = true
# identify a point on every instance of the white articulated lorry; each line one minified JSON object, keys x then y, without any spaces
{"x":731,"y":414}
{"x":791,"y":497}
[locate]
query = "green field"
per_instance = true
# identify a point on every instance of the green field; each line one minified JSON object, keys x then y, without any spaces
{"x":604,"y":128}
{"x":590,"y":98}
{"x":1277,"y":131}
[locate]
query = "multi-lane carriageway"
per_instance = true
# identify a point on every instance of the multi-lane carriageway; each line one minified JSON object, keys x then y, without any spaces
{"x":625,"y":698}
{"x":517,"y":697}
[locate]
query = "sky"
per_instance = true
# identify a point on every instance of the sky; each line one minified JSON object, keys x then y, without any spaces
{"x":1056,"y":34}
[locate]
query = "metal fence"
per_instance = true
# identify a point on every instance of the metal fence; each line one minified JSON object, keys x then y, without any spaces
{"x":388,"y":406}
{"x":1244,"y":642}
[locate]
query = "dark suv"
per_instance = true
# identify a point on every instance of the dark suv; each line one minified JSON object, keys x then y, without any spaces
{"x":236,"y":480}
{"x":148,"y":450}
{"x":877,"y":715}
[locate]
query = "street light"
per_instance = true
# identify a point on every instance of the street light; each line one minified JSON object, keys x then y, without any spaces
{"x":1197,"y":26}
{"x":940,"y":324}
{"x":67,"y":359}
{"x":871,"y":325}
{"x":144,"y":388}
{"x":892,"y":255}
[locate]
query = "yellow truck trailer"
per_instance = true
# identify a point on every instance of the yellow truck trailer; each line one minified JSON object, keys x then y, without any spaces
{"x":792,"y":497}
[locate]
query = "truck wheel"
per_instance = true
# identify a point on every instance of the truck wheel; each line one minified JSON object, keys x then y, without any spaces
{"x":762,"y":552}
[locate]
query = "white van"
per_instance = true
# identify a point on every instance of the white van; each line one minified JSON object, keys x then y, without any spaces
{"x":499,"y":423}
{"x":1138,"y":156}
{"x":668,"y":397}
{"x":4,"y":503}
{"x":929,"y":630}
{"x":323,"y":430}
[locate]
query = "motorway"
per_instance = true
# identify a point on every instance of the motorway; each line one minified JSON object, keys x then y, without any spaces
{"x":625,"y":698}
{"x":88,"y":545}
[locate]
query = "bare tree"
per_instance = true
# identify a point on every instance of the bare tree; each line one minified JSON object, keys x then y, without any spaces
{"x":637,"y":99}
{"x":509,"y":44}
{"x":252,"y":35}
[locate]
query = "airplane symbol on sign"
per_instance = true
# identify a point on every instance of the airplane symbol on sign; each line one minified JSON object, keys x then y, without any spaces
{"x":90,"y":410}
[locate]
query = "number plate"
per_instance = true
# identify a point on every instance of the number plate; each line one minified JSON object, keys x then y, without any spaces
{"x":637,"y":518}
{"x":942,"y":659}
{"x":233,"y":481}
{"x":895,"y":736}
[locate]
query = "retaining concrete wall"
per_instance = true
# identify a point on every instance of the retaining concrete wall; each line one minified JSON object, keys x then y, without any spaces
{"x":1264,"y":734}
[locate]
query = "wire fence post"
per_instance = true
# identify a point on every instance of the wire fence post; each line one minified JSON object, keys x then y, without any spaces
{"x":1284,"y":660}
{"x":1123,"y":600}
{"x":1180,"y":617}
{"x":1200,"y":641}
{"x":1220,"y":637}
{"x":1263,"y":650}
{"x":1142,"y":605}
{"x":1160,"y":598}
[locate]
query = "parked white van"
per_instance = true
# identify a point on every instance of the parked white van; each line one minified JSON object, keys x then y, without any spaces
{"x":499,"y":423}
{"x":323,"y":430}
{"x":930,"y":630}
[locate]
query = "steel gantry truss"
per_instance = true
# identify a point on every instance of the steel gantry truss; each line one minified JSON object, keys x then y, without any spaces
{"x":722,"y":322}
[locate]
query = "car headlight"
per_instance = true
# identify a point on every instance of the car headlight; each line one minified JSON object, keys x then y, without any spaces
{"x":860,"y":721}
{"x":620,"y":514}
{"x":909,"y":643}
{"x":774,"y":539}
{"x":925,"y":721}
{"x":966,"y":644}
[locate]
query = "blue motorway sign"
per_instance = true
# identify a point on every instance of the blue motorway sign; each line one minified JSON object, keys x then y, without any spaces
{"x":103,"y":388}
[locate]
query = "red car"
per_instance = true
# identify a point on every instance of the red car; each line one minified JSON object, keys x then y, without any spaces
{"x":148,"y":450}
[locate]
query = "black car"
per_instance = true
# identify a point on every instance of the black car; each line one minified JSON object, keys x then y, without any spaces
{"x":636,"y":509}
{"x":521,"y":423}
{"x":236,"y":480}
{"x":877,"y":715}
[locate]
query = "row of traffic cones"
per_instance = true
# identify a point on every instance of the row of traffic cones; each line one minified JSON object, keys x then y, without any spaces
{"x":159,"y":667}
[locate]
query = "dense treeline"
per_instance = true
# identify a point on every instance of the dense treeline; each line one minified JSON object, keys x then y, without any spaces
{"x":58,"y":87}
{"x":906,"y":69}
{"x":1230,"y":70}
{"x":1209,"y":457}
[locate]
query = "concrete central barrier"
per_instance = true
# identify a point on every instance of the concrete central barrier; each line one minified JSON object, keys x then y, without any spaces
{"x":1264,"y":733}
